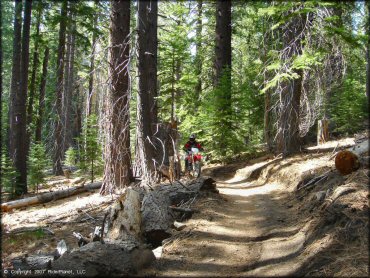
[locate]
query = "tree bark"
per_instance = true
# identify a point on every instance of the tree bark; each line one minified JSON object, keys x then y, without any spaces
{"x":68,"y":86}
{"x":198,"y":57}
{"x":42,"y":95}
{"x":58,"y":132}
{"x":322,"y":131}
{"x":1,"y":88}
{"x":16,"y":72}
{"x":92,"y":67}
{"x":35,"y":64}
{"x":223,"y":66}
{"x":146,"y":103}
{"x":368,"y":54}
{"x":117,"y":173}
{"x":18,"y":121}
{"x":288,"y":139}
{"x":223,"y":39}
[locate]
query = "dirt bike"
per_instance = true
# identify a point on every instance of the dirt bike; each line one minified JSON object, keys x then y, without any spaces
{"x":194,"y":162}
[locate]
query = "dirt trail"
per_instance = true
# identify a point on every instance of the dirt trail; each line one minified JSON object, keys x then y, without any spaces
{"x":250,"y":230}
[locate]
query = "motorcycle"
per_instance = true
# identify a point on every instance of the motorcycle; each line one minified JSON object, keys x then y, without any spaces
{"x":194,"y":162}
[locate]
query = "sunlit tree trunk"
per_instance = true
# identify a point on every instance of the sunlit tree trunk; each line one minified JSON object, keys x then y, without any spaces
{"x":58,"y":132}
{"x":68,"y":85}
{"x":198,"y":57}
{"x":146,"y":103}
{"x":368,"y":54}
{"x":288,"y":138}
{"x":117,"y":173}
{"x":1,"y":87}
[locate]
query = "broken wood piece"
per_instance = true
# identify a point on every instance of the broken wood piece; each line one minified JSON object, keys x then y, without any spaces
{"x":158,"y":252}
{"x":315,"y":180}
{"x":96,"y":236}
{"x":81,"y":239}
{"x":338,"y":192}
{"x":62,"y":248}
{"x":49,"y":196}
{"x":179,"y":226}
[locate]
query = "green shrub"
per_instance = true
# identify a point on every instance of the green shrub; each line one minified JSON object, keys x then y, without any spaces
{"x":90,"y":150}
{"x":70,"y":157}
{"x":9,"y":175}
{"x":37,"y":162}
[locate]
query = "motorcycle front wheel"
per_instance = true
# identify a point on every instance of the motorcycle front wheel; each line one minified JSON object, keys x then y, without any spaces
{"x":197,"y":169}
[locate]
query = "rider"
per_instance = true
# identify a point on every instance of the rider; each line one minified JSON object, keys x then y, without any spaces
{"x":192,"y":143}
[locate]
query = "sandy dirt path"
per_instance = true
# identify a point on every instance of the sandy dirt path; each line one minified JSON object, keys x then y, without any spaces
{"x":251,"y":230}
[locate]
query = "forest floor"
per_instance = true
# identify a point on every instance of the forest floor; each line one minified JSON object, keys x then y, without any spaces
{"x":259,"y":227}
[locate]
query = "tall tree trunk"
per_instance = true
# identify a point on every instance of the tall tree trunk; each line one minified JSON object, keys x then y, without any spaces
{"x":368,"y":54}
{"x":68,"y":86}
{"x":146,"y":103}
{"x":223,"y":39}
{"x":42,"y":96}
{"x":35,"y":64}
{"x":267,"y":121}
{"x":1,"y":89}
{"x":173,"y":86}
{"x":18,"y":125}
{"x":117,"y":173}
{"x":92,"y":67}
{"x":16,"y":73}
{"x":223,"y":67}
{"x":288,"y":139}
{"x":198,"y":57}
{"x":58,"y":132}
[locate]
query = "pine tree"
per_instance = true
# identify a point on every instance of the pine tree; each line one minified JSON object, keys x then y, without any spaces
{"x":37,"y":163}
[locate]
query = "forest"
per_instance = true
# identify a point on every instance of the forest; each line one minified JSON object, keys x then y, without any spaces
{"x":110,"y":91}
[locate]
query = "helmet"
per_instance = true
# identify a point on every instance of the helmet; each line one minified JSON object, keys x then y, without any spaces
{"x":192,"y":137}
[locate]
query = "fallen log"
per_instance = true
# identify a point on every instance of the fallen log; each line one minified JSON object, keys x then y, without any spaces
{"x":156,"y":217}
{"x":316,"y":149}
{"x":351,"y":159}
{"x":49,"y":196}
{"x":45,"y":230}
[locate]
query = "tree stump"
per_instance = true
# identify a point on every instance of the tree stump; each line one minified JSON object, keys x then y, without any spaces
{"x":322,"y":131}
{"x":124,"y":220}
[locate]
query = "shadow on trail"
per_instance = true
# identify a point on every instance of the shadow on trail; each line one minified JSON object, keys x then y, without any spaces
{"x":250,"y":229}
